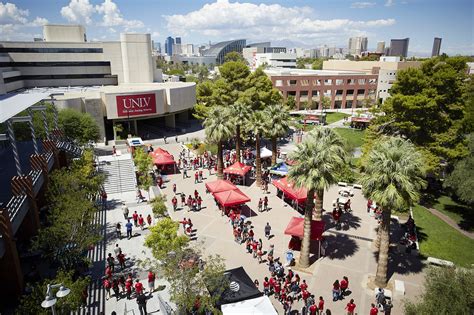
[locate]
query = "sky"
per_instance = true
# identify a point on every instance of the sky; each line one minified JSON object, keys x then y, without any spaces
{"x":291,"y":23}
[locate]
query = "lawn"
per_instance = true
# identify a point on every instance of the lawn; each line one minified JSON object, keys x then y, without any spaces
{"x":333,"y":117}
{"x":461,"y":214}
{"x":354,"y":137}
{"x":438,"y":239}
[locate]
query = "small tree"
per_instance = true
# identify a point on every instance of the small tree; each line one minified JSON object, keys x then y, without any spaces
{"x":158,"y":206}
{"x":446,"y":291}
{"x":144,"y":163}
{"x":290,"y":102}
{"x":79,"y":126}
{"x":164,"y":238}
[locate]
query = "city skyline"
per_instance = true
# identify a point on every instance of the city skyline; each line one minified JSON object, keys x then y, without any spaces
{"x":299,"y":23}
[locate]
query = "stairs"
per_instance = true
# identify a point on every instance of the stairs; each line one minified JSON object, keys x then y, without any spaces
{"x":70,"y":147}
{"x":119,"y":172}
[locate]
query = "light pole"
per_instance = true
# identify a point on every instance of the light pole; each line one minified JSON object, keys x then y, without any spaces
{"x":50,"y":300}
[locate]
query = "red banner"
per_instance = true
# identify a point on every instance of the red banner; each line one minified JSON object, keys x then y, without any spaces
{"x":136,"y":105}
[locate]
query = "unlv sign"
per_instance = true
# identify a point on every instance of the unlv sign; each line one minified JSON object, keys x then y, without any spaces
{"x":136,"y":105}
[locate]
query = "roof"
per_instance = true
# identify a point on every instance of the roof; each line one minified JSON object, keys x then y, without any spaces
{"x":215,"y":49}
{"x":257,"y":306}
{"x":298,"y":194}
{"x":231,"y":198}
{"x":238,"y":168}
{"x":280,"y":169}
{"x":309,"y":72}
{"x":296,"y":228}
{"x":220,"y":185}
{"x":162,"y":157}
{"x":241,"y":287}
{"x":264,"y":152}
{"x":12,"y":104}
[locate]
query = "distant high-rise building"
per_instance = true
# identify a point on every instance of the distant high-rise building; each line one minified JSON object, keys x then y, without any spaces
{"x":178,"y":40}
{"x":399,"y":47}
{"x":380,"y":47}
{"x":436,"y":47}
{"x":357,"y":45}
{"x":169,"y":42}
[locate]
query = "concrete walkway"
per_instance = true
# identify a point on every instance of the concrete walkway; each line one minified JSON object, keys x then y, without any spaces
{"x":450,"y":222}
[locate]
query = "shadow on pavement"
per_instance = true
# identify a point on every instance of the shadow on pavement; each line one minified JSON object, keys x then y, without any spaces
{"x":340,"y":246}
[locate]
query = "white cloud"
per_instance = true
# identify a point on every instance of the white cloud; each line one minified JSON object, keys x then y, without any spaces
{"x":362,"y":5}
{"x":389,"y":3}
{"x":78,"y":11}
{"x":13,"y":21}
{"x":270,"y":22}
{"x":111,"y":16}
{"x":155,"y":34}
{"x":11,"y":14}
{"x":39,"y":21}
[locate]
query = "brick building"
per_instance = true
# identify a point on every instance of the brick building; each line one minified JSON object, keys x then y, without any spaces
{"x":345,"y":89}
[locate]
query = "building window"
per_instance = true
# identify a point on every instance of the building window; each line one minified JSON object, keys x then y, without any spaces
{"x":350,"y":92}
{"x":304,"y":82}
{"x":348,"y":103}
{"x":361,"y":81}
{"x":350,"y":81}
{"x":304,"y":93}
{"x":339,"y":82}
{"x":278,"y":82}
{"x":292,"y":93}
{"x":337,"y":104}
{"x":360,"y":92}
{"x":291,"y":82}
{"x":327,"y":82}
{"x":339,"y":92}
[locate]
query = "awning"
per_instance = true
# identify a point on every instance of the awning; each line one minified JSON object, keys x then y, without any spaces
{"x":162,"y":157}
{"x":231,"y":198}
{"x":264,"y":153}
{"x":238,"y":168}
{"x":296,"y":228}
{"x":258,"y":306}
{"x":241,"y":287}
{"x":280,"y":169}
{"x":297,"y":194}
{"x":219,"y":186}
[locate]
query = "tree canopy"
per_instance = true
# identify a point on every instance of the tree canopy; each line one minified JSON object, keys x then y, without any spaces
{"x":164,"y":238}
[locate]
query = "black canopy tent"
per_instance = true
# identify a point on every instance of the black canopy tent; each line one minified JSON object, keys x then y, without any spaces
{"x":241,"y":287}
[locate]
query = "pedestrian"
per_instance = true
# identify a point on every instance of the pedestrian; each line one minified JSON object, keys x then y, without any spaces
{"x":254,"y":248}
{"x":115,"y":287}
{"x":125,"y":210}
{"x":270,"y":254}
{"x":268,"y":230}
{"x":164,"y":138}
{"x":373,"y":309}
{"x":183,"y":200}
{"x":108,"y":272}
{"x":265,"y":203}
{"x":266,"y":286}
{"x":129,"y":226}
{"x":344,"y":285}
{"x":265,"y":187}
{"x":114,"y":151}
{"x":313,"y":309}
{"x":350,"y":307}
{"x":199,"y":202}
{"x":107,"y":286}
{"x":185,"y":172}
{"x":121,"y":260}
{"x":387,"y":309}
{"x":259,"y":256}
{"x":129,"y":285}
{"x":324,"y":246}
{"x":135,"y":218}
{"x":138,"y":287}
{"x":103,"y":195}
{"x":110,"y":261}
{"x":184,"y":222}
{"x":151,"y":281}
{"x":256,"y":283}
{"x":190,"y":202}
{"x":380,"y":298}
{"x":174,"y":189}
{"x":121,"y":281}
{"x":149,"y":219}
{"x":260,"y":203}
{"x":141,"y":301}
{"x":336,"y":291}
{"x":321,"y":305}
{"x":176,"y":139}
{"x":117,"y":250}
{"x":196,"y":179}
{"x":141,"y":222}
{"x":303,"y":285}
{"x":118,"y":230}
{"x":369,"y":205}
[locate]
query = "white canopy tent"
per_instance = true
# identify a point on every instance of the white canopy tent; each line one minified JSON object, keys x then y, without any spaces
{"x":264,"y":153}
{"x":258,"y":306}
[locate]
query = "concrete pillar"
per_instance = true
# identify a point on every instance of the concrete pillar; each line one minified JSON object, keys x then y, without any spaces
{"x":135,"y":127}
{"x":170,"y":121}
{"x":182,"y":117}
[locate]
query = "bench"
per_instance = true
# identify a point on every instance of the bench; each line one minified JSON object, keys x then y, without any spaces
{"x":342,"y":184}
{"x":440,"y":262}
{"x":357,"y":186}
{"x":400,"y":287}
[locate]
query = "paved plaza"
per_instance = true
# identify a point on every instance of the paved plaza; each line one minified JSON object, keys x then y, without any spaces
{"x":349,"y":251}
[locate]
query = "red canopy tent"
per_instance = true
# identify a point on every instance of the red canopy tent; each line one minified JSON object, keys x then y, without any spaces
{"x":297,"y":194}
{"x":239,"y":169}
{"x":163,"y":158}
{"x":296,"y":228}
{"x":219,"y":186}
{"x":231,"y":198}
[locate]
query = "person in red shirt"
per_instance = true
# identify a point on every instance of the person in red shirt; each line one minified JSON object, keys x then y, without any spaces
{"x":277,"y":288}
{"x":174,"y":201}
{"x":344,"y":285}
{"x":138,"y":287}
{"x":135,"y":218}
{"x":196,"y":175}
{"x":336,"y":291}
{"x":305,"y":295}
{"x":313,"y":309}
{"x":350,"y":307}
{"x":266,"y":286}
{"x":271,"y":282}
{"x":108,"y":272}
{"x":128,"y":289}
{"x":321,"y":305}
{"x":303,"y":285}
{"x":148,"y":219}
{"x":107,"y":286}
{"x":199,"y":202}
{"x":141,"y":221}
{"x":373,"y":310}
{"x":121,"y":260}
{"x":151,"y":281}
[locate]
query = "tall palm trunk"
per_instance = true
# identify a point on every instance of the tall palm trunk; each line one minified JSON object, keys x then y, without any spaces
{"x":220,"y":161}
{"x":308,"y":217}
{"x":318,"y":207}
{"x":237,"y":142}
{"x":381,"y":275}
{"x":258,"y":162}
{"x":377,"y":238}
{"x":274,"y":150}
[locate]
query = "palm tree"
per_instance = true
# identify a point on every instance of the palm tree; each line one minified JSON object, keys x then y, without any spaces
{"x":240,"y":113}
{"x":258,"y":125}
{"x":218,"y":128}
{"x":280,"y":120}
{"x":317,"y":159}
{"x":392,"y":177}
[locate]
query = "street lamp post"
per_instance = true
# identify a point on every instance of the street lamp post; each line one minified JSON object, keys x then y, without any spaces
{"x":50,"y":300}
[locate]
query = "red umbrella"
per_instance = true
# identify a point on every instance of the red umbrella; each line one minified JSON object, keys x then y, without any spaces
{"x":296,"y":228}
{"x":219,"y":186}
{"x":231,"y":198}
{"x":288,"y":188}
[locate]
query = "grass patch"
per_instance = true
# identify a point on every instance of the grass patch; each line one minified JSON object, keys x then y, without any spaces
{"x":438,"y":239}
{"x":354,"y":137}
{"x":461,"y":214}
{"x":333,"y":117}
